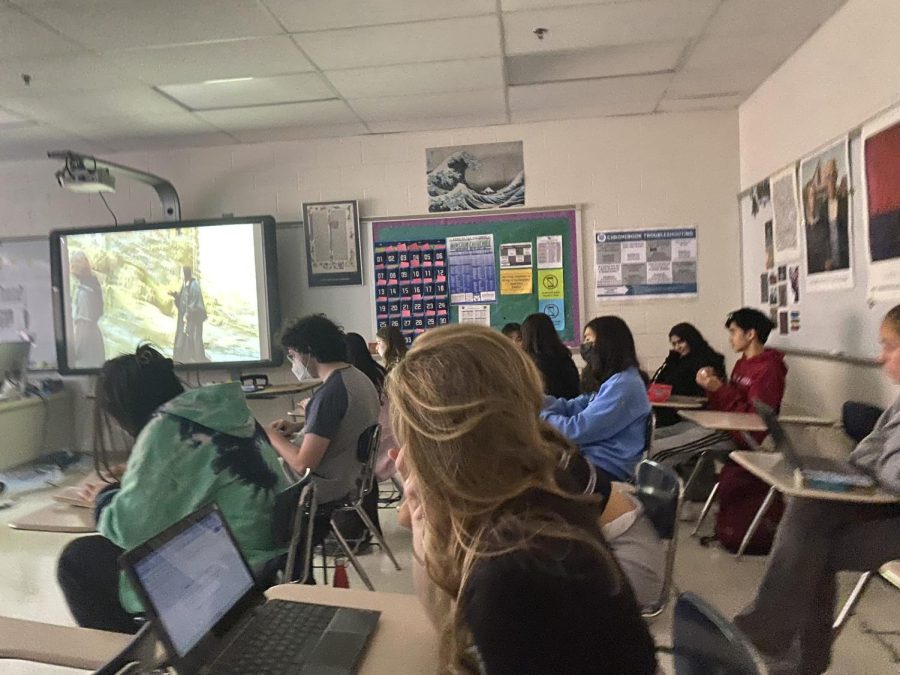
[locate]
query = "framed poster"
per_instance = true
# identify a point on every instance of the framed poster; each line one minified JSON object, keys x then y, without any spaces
{"x":332,"y":243}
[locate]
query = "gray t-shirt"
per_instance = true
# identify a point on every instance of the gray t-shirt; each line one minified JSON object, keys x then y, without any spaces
{"x":879,"y":453}
{"x":341,"y":410}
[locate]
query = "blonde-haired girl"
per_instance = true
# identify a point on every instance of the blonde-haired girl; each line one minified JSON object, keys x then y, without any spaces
{"x":511,"y":565}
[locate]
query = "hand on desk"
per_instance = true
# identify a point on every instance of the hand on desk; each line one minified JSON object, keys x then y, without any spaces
{"x":89,"y":491}
{"x":707,"y":378}
{"x":283,"y":428}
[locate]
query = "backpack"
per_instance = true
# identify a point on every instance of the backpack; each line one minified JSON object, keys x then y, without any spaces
{"x":740,"y":496}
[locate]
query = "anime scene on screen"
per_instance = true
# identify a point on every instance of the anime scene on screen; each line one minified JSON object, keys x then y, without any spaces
{"x":197,"y":293}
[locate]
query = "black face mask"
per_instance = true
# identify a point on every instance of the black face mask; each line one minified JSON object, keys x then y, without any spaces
{"x":586,"y":349}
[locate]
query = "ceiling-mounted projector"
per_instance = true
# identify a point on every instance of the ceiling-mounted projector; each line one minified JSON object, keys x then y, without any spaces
{"x":82,"y":179}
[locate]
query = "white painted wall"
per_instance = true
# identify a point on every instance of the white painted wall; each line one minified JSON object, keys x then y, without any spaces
{"x":627,"y":172}
{"x":844,"y":74}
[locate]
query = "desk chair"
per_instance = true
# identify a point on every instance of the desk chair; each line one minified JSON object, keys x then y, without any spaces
{"x":857,"y":421}
{"x":889,"y":573}
{"x":138,"y":657}
{"x":649,"y":430}
{"x":659,"y":490}
{"x":300,"y":503}
{"x":706,"y":643}
{"x":365,"y":453}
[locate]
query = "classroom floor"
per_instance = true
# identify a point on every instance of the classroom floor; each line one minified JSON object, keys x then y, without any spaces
{"x":28,"y":590}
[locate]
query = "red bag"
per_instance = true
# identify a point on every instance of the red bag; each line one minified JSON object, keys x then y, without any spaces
{"x":740,"y":496}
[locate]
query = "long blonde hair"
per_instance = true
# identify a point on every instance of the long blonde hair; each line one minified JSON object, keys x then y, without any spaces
{"x":464,"y":406}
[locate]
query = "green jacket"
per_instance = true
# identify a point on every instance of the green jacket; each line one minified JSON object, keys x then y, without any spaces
{"x":201,"y":446}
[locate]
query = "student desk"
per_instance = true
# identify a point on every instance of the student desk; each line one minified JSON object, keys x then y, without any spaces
{"x":404,"y":641}
{"x":771,"y":468}
{"x":276,"y":390}
{"x":725,"y":421}
{"x":57,"y":517}
{"x":679,"y":402}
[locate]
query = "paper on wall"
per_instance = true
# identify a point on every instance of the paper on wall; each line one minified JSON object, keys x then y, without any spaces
{"x":478,"y":315}
{"x":550,"y":252}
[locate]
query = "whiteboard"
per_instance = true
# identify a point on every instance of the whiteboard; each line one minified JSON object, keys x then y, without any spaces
{"x":837,"y":323}
{"x":25,"y":269}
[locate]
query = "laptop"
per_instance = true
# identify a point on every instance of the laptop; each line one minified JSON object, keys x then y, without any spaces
{"x":810,"y":470}
{"x":205,"y":606}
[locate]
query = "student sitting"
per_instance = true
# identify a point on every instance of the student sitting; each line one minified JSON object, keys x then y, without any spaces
{"x":541,"y":342}
{"x":819,"y":538}
{"x":511,"y":566}
{"x":609,"y":426}
{"x":336,"y":415}
{"x":513,"y":331}
{"x":690,"y":352}
{"x":190,"y":448}
{"x":758,"y":375}
{"x":359,"y":357}
{"x":391,"y":345}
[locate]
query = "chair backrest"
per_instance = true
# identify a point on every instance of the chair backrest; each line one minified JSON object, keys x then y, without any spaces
{"x":660,"y":491}
{"x":292,"y":526}
{"x":649,"y":430}
{"x":859,"y":419}
{"x":366,"y":451}
{"x":706,"y":643}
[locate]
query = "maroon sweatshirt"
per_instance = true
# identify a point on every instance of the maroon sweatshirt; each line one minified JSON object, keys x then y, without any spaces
{"x":758,"y":378}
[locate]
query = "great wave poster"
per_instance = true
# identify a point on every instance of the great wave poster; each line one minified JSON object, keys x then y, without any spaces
{"x":471,"y":177}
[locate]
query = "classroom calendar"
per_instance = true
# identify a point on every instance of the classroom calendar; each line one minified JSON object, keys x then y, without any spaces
{"x":655,"y":263}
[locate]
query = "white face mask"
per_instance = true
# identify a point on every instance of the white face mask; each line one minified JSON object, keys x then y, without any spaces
{"x":381,"y":349}
{"x":301,"y":370}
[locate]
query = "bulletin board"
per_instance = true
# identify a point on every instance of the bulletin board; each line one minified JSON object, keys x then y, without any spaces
{"x":475,"y":271}
{"x":841,"y":323}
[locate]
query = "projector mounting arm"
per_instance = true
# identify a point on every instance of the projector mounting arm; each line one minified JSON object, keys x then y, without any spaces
{"x":164,"y":189}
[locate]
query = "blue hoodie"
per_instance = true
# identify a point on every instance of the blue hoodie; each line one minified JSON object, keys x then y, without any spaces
{"x":609,"y":426}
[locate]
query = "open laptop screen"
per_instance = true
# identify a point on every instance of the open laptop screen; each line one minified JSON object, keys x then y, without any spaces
{"x":194,"y":579}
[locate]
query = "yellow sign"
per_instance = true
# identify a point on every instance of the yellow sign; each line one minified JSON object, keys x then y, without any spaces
{"x":516,"y":281}
{"x":550,"y":284}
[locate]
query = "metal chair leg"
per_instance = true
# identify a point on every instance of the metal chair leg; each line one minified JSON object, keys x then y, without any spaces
{"x":350,"y":555}
{"x":756,"y":520}
{"x":701,"y":460}
{"x":375,"y":533}
{"x":850,"y":605}
{"x":706,"y":507}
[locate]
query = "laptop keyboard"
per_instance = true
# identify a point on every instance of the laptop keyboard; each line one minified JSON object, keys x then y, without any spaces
{"x":278,"y":641}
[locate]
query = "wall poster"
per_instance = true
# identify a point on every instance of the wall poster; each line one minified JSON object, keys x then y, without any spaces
{"x":654,"y":263}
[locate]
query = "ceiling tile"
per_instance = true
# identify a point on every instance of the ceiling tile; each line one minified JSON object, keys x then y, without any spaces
{"x":403,"y":43}
{"x":700,"y":103}
{"x":430,"y":105}
{"x":132,"y":143}
{"x":256,"y":91}
{"x":312,"y":15}
{"x":690,"y":83}
{"x":747,"y":17}
{"x":300,"y":132}
{"x":587,"y":98}
{"x":254,"y":57}
{"x":97,"y":105}
{"x":765,"y":51}
{"x":286,"y":115}
{"x":119,"y":24}
{"x":418,"y":78}
{"x":8,"y":119}
{"x":33,"y":142}
{"x":607,"y":61}
{"x":519,"y":5}
{"x":458,"y":122}
{"x":21,"y":37}
{"x":580,"y":27}
{"x":55,"y":74}
{"x":145,"y":125}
